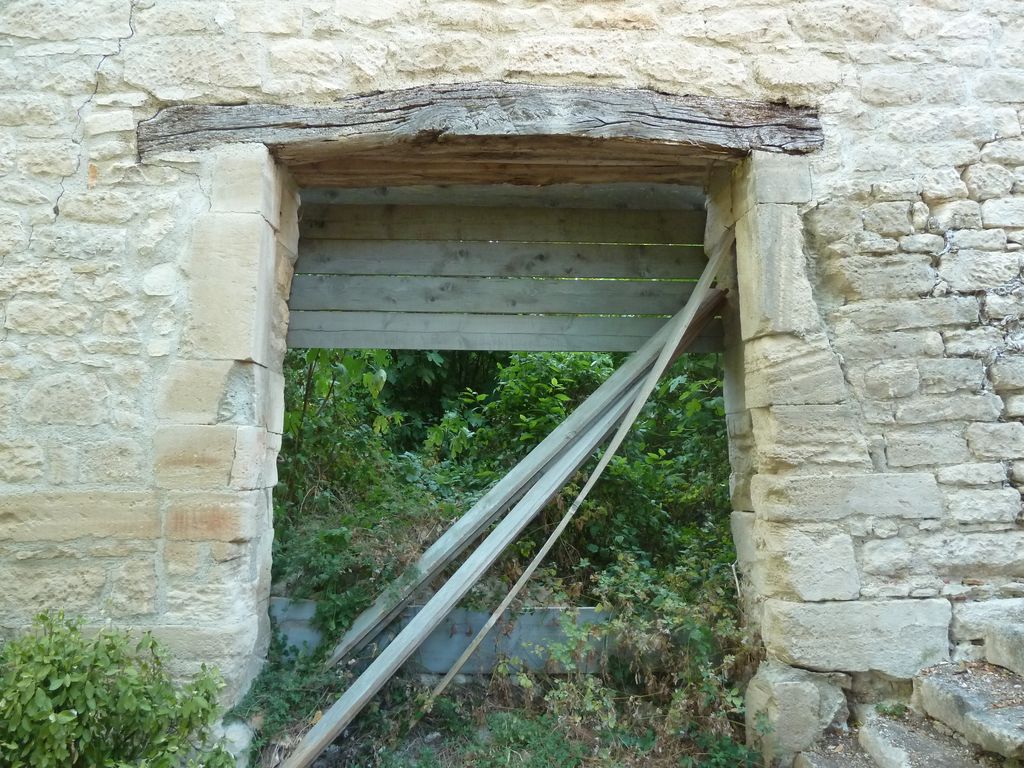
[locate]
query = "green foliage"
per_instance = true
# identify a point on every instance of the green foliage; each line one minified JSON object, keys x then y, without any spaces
{"x":670,"y":474}
{"x":382,"y":449}
{"x":677,"y":650}
{"x":343,"y":497}
{"x":289,"y":691}
{"x":72,"y":701}
{"x":517,"y":741}
{"x":895,"y":709}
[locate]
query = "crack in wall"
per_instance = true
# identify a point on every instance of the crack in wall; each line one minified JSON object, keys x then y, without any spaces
{"x":77,"y":139}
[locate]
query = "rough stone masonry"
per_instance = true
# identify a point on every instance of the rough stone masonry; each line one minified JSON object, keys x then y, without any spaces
{"x":875,"y":371}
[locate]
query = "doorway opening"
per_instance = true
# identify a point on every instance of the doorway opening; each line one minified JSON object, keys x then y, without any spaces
{"x":436,"y":335}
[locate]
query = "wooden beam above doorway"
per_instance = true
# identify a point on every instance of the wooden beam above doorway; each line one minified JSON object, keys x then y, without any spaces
{"x":476,"y":133}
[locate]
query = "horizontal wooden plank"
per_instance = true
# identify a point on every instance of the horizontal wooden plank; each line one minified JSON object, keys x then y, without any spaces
{"x":697,"y":126}
{"x":429,"y":222}
{"x":509,"y":259}
{"x":487,"y":295}
{"x":511,"y":333}
{"x":628,"y":196}
{"x":386,"y":171}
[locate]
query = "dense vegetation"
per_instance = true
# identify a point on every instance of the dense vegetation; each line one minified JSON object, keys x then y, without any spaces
{"x":383,"y":449}
{"x":70,"y":699}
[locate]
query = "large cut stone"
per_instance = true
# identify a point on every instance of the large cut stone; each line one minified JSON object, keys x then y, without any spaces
{"x":788,"y":370}
{"x":797,"y":707}
{"x":838,"y":496}
{"x":800,"y":437}
{"x":806,"y":562}
{"x":1004,"y":645}
{"x":895,"y":637}
{"x":775,"y":292}
{"x":895,"y":743}
{"x":979,"y":702}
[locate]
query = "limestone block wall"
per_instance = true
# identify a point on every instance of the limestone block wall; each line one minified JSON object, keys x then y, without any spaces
{"x":876,"y":373}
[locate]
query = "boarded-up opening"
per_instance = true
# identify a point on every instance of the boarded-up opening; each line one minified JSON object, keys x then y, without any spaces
{"x":564,"y":268}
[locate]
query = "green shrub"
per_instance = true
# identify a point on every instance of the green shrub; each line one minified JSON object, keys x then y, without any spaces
{"x":105,"y":701}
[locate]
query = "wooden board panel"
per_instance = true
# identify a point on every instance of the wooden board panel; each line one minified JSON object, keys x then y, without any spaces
{"x":389,"y":172}
{"x":625,"y":196}
{"x":477,"y":258}
{"x":523,"y":295}
{"x":514,"y":333}
{"x":427,"y":222}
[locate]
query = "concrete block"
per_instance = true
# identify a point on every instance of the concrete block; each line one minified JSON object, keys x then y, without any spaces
{"x":895,"y":637}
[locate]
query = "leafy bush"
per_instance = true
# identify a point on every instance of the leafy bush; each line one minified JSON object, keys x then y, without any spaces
{"x":105,"y":701}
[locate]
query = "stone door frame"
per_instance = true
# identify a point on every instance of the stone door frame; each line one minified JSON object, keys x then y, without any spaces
{"x":243,"y":249}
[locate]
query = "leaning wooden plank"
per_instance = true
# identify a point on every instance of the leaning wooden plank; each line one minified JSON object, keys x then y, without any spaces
{"x":544,"y":225}
{"x":480,"y":560}
{"x":567,"y":461}
{"x":448,"y":596}
{"x":467,"y":528}
{"x":682,"y":324}
{"x":511,"y":333}
{"x":487,"y":295}
{"x":507,"y":259}
{"x":702,"y":125}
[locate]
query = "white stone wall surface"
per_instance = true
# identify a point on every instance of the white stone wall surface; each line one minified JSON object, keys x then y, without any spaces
{"x":876,"y":369}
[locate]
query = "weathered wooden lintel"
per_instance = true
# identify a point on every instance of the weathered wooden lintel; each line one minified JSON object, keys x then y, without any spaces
{"x":492,"y":131}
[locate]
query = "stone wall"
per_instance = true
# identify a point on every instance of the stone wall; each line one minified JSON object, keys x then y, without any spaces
{"x":876,"y":373}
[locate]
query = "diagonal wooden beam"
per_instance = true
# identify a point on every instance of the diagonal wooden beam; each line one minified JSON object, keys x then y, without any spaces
{"x":508,"y":490}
